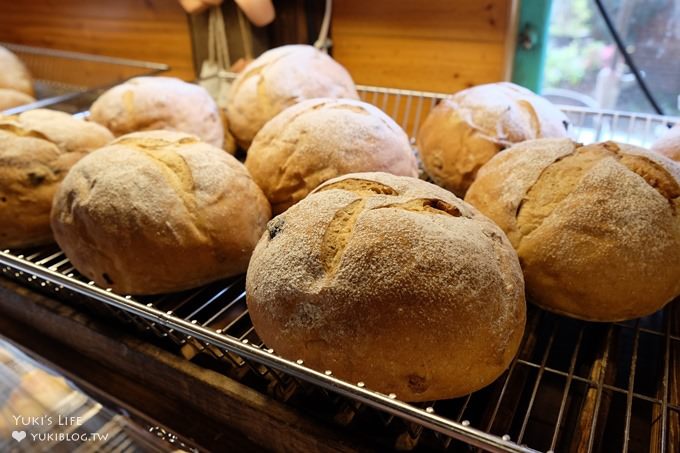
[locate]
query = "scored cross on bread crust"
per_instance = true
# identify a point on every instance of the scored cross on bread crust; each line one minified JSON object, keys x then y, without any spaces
{"x":279,"y":78}
{"x":321,"y":139}
{"x":37,"y":148}
{"x":596,"y":227}
{"x":340,"y":228}
{"x":158,"y":212}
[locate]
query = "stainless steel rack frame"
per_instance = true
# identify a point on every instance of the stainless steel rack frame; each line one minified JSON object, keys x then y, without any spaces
{"x":410,"y":108}
{"x":60,"y":77}
{"x":574,"y":386}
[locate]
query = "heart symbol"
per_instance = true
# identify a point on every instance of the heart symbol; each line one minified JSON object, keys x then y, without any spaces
{"x":19,"y":435}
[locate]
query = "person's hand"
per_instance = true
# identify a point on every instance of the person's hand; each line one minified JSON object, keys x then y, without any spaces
{"x":259,"y":12}
{"x":194,"y":6}
{"x":240,"y":65}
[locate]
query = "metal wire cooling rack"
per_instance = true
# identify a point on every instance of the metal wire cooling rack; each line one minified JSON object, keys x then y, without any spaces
{"x":410,"y":108}
{"x":574,"y":386}
{"x":61,"y":77}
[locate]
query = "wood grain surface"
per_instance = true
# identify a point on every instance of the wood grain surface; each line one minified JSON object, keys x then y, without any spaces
{"x":438,"y":45}
{"x":149,"y":30}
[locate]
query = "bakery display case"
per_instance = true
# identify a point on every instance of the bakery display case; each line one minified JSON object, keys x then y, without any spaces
{"x":188,"y":371}
{"x":50,"y":412}
{"x":574,"y":386}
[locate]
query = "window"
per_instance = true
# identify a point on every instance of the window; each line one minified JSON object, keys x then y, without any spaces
{"x":584,"y":66}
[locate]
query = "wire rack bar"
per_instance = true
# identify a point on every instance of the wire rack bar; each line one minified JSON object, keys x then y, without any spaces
{"x":249,"y":351}
{"x":83,"y":56}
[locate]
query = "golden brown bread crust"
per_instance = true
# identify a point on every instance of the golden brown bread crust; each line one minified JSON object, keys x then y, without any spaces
{"x":13,"y":73}
{"x":391,"y":281}
{"x":669,"y":144}
{"x":12,"y":98}
{"x":229,"y":140}
{"x":278,"y":79}
{"x":158,"y":212}
{"x":37,"y":148}
{"x":596,"y":228}
{"x":155,"y":103}
{"x":463,"y":132}
{"x":320,"y":139}
{"x":70,"y":134}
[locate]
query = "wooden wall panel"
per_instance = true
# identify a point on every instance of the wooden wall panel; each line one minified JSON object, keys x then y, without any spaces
{"x":151,"y":30}
{"x":438,"y":45}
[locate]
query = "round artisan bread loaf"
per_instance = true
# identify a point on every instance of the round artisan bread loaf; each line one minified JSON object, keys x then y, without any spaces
{"x":278,"y":79}
{"x":157,"y":212}
{"x":12,"y":98}
{"x":391,"y":281}
{"x":13,"y":73}
{"x":37,"y":148}
{"x":669,"y":144}
{"x":154,"y":103}
{"x":596,"y":228}
{"x":466,"y":130}
{"x":320,"y":139}
{"x":229,"y":144}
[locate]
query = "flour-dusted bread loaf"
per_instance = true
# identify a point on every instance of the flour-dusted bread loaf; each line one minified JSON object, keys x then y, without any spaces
{"x":391,"y":281}
{"x":278,"y":79}
{"x":12,"y":98}
{"x":597,"y":228}
{"x":320,"y":139}
{"x":37,"y":148}
{"x":157,"y":212}
{"x":669,"y":144}
{"x":13,"y":73}
{"x":155,"y":103}
{"x":229,"y":140}
{"x":466,"y":130}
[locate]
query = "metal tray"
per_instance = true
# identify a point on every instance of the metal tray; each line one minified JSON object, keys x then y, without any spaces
{"x":61,"y":78}
{"x":574,"y":386}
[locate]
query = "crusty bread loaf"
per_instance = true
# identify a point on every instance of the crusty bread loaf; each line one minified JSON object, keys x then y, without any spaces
{"x":463,"y":132}
{"x":597,"y":228}
{"x":157,"y":212}
{"x":669,"y":144}
{"x":278,"y":79}
{"x":13,"y":73}
{"x":37,"y":148}
{"x":391,"y":281}
{"x":12,"y":98}
{"x":229,"y":140}
{"x":155,"y":103}
{"x":320,"y":139}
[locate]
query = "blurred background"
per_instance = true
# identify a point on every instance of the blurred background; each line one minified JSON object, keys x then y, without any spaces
{"x":584,"y":64}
